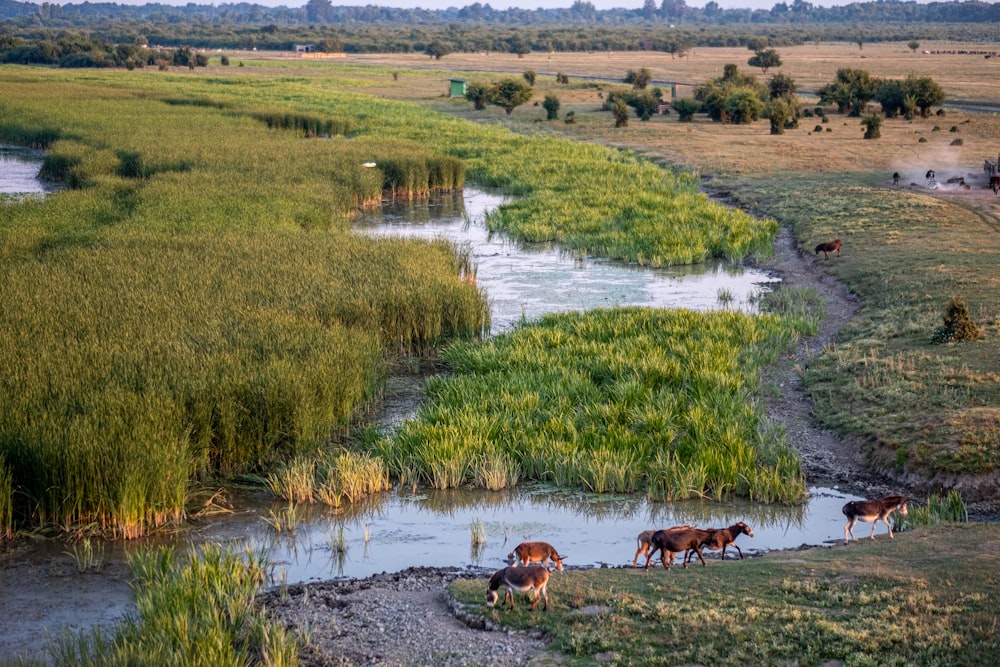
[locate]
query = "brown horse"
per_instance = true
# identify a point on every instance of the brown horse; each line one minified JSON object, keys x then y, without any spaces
{"x":828,"y":247}
{"x":874,"y":511}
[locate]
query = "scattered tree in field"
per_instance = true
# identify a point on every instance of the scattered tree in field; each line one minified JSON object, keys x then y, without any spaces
{"x":686,"y":108}
{"x":873,"y":125}
{"x":645,"y":102}
{"x":908,"y":96}
{"x":958,"y":325}
{"x":913,"y":44}
{"x":640,"y":79}
{"x":765,"y":60}
{"x":733,"y":98}
{"x":551,"y":106}
{"x":780,"y":113}
{"x":562,"y":78}
{"x":782,"y":87}
{"x":860,"y":41}
{"x":852,"y":90}
{"x":619,"y":109}
{"x":509,"y":93}
{"x":530,"y":75}
{"x":477,"y":92}
{"x":519,"y":45}
{"x":437,"y":49}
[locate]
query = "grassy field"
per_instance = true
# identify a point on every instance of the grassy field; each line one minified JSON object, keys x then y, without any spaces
{"x":927,"y":597}
{"x":926,"y":410}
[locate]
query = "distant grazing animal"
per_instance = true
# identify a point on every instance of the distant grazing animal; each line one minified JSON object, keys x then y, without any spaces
{"x":874,"y":511}
{"x":965,"y":186}
{"x":895,"y":178}
{"x":828,"y":247}
{"x":644,"y":541}
{"x":995,"y":184}
{"x":672,"y":542}
{"x":532,"y":579}
{"x":720,"y":538}
{"x":527,"y":553}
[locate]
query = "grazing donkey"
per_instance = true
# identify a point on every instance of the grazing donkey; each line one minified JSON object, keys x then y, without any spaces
{"x":521,"y":579}
{"x":874,"y":511}
{"x":828,"y":247}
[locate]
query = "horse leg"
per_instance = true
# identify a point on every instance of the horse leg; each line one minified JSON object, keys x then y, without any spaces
{"x":849,"y":530}
{"x":697,"y":550}
{"x":874,"y":526}
{"x":643,"y":549}
{"x":888,"y":525}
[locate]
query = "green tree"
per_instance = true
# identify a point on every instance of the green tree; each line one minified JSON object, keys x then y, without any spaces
{"x":781,"y":85}
{"x":851,"y":91}
{"x":640,"y":79}
{"x":619,"y":109}
{"x":913,"y":44}
{"x":890,"y":95}
{"x":873,"y":125}
{"x":645,"y":102}
{"x":765,"y":60}
{"x":530,"y":75}
{"x":519,"y":45}
{"x":925,"y":91}
{"x":779,"y":112}
{"x":551,"y":106}
{"x":509,"y":93}
{"x":477,"y":92}
{"x":686,"y":108}
{"x":437,"y":49}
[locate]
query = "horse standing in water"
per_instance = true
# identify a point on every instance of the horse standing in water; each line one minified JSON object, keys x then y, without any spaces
{"x":874,"y":511}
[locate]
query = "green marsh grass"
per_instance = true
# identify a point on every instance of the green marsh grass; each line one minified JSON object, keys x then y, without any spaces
{"x":616,"y":400}
{"x":193,"y":610}
{"x":181,"y":307}
{"x":937,"y":509}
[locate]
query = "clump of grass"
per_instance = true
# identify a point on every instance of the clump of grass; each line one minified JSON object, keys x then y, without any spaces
{"x":958,"y":325}
{"x":198,"y":610}
{"x":938,"y":509}
{"x":802,"y":307}
{"x":6,"y":500}
{"x":88,"y":557}
{"x":285,"y":520}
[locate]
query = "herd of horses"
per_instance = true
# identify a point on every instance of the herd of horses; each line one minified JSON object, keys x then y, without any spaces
{"x":531,"y":563}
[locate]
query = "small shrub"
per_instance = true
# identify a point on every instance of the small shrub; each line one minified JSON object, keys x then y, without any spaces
{"x":954,"y":128}
{"x":957,"y":142}
{"x":922,"y":140}
{"x":807,"y":113}
{"x":570,"y":117}
{"x":958,"y":326}
{"x":936,"y":128}
{"x":940,"y":112}
{"x":818,"y":128}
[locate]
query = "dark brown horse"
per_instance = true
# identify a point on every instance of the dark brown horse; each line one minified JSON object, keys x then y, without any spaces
{"x":672,"y":542}
{"x":533,"y":579}
{"x":720,"y":538}
{"x":874,"y":511}
{"x":828,"y":247}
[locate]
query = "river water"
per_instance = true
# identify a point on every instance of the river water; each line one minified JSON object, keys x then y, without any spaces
{"x":420,"y":527}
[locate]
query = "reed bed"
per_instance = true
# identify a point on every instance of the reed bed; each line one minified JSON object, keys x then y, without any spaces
{"x":178,"y":313}
{"x":937,"y":510}
{"x":618,"y":400}
{"x":192,"y":610}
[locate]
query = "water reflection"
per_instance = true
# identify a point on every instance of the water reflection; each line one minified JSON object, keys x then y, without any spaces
{"x":526,"y":281}
{"x":19,"y":169}
{"x":435,"y":528}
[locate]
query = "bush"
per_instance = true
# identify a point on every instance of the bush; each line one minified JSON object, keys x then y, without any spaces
{"x":958,"y":326}
{"x":551,"y":106}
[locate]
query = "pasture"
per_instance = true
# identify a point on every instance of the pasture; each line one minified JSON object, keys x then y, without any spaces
{"x":928,"y":597}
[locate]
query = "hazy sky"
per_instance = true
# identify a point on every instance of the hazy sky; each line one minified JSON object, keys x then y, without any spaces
{"x":498,"y":4}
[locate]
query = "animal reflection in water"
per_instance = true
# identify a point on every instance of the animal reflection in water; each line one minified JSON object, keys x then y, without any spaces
{"x":533,"y":579}
{"x":873,"y":511}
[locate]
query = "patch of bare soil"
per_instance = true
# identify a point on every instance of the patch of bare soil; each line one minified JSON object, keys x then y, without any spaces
{"x":403,"y":618}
